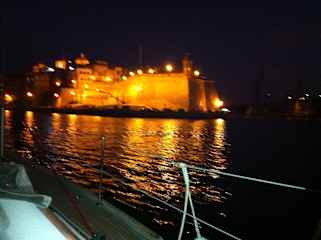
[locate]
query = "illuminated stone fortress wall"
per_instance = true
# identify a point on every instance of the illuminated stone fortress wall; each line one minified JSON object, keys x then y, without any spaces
{"x":97,"y":84}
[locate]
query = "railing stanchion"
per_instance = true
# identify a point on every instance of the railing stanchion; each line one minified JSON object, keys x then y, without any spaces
{"x":101,"y":168}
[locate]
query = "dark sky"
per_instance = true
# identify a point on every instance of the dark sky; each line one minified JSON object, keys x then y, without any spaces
{"x":229,"y":40}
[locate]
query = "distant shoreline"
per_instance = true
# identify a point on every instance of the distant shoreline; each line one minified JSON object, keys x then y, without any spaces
{"x":124,"y":113}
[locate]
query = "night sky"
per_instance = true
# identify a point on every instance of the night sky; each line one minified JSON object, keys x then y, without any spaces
{"x":229,"y":41}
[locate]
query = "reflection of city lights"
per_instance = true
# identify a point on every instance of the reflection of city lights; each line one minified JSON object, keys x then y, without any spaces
{"x":151,"y":71}
{"x":56,"y":95}
{"x":58,"y":84}
{"x":169,"y":68}
{"x":131,"y":73}
{"x":29,"y":94}
{"x":217,"y":103}
{"x":196,"y":73}
{"x":86,"y":86}
{"x":72,"y":93}
{"x":124,"y":77}
{"x":139,"y":71}
{"x":8,"y":98}
{"x":74,"y":81}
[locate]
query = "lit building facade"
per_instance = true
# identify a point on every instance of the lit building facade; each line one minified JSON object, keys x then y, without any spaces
{"x":97,"y":84}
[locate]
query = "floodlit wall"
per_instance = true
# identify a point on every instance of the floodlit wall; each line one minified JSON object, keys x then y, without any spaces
{"x":172,"y":91}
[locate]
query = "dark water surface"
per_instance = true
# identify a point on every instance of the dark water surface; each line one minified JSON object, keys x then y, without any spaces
{"x":141,"y":152}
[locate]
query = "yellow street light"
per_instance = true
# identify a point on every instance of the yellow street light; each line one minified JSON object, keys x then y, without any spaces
{"x":97,"y":89}
{"x":86,"y":86}
{"x":218,"y":103}
{"x":151,"y":71}
{"x":8,"y":98}
{"x":29,"y":94}
{"x":132,"y":74}
{"x":169,"y":68}
{"x":56,"y":95}
{"x":72,"y":93}
{"x":74,"y":81}
{"x":58,"y":84}
{"x":139,"y":71}
{"x":196,"y":73}
{"x":124,"y":77}
{"x":108,"y":79}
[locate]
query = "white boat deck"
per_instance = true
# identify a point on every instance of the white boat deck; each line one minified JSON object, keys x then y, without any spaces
{"x":26,"y":221}
{"x":105,"y":219}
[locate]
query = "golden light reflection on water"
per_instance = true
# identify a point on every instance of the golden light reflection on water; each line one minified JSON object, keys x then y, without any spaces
{"x":168,"y":140}
{"x":29,"y":130}
{"x":138,"y":150}
{"x":219,"y":127}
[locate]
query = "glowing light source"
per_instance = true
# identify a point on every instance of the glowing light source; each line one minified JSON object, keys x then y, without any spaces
{"x":151,"y":71}
{"x":108,"y":79}
{"x":97,"y":89}
{"x":139,"y":71}
{"x":302,"y":98}
{"x":74,"y":81}
{"x":131,"y":73}
{"x":169,"y":68}
{"x":50,"y":69}
{"x":289,"y":97}
{"x":196,"y":73}
{"x":29,"y":94}
{"x":86,"y":86}
{"x":58,"y":84}
{"x":124,"y":77}
{"x":307,"y":95}
{"x":320,"y":95}
{"x":8,"y":98}
{"x":72,"y":93}
{"x":92,"y":77}
{"x":56,"y":95}
{"x":217,"y":103}
{"x":71,"y":68}
{"x":225,"y":110}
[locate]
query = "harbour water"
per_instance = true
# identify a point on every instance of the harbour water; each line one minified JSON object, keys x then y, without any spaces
{"x":141,"y":152}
